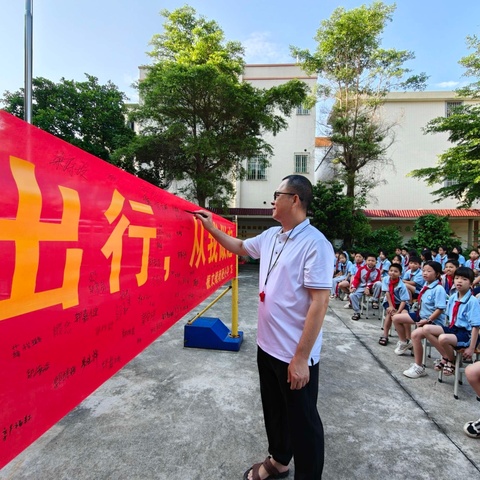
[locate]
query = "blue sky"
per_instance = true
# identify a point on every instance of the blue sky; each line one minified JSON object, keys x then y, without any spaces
{"x":109,"y":38}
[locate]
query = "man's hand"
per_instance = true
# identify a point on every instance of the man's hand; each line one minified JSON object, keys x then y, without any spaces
{"x":298,"y":373}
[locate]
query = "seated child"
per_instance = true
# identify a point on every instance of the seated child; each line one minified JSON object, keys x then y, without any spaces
{"x":461,"y":258}
{"x":432,"y":301}
{"x":472,"y":372}
{"x":442,"y":256}
{"x":362,"y":283}
{"x":463,"y":314}
{"x":396,"y":298}
{"x":413,"y":277}
{"x":344,"y":285}
{"x":383,"y":264}
{"x":344,"y":267}
{"x":447,"y":278}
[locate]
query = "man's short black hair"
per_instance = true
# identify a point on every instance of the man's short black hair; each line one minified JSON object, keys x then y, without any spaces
{"x":301,"y":186}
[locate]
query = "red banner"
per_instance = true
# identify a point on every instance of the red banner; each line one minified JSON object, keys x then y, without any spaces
{"x":95,"y":265}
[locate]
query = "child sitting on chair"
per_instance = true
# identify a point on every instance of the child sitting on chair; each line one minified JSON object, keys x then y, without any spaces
{"x":362,"y":283}
{"x":413,"y":278}
{"x":432,"y":301}
{"x":344,"y":267}
{"x":447,"y":278}
{"x":463,"y":313}
{"x":396,"y":298}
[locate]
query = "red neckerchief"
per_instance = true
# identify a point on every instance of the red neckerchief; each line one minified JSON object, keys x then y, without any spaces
{"x":419,"y":299}
{"x":391,"y":288}
{"x":454,"y":313}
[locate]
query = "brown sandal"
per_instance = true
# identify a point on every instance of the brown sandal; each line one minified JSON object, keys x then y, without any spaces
{"x":270,"y":468}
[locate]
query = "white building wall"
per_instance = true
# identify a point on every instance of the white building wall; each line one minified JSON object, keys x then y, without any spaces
{"x":298,"y":138}
{"x":412,"y":150}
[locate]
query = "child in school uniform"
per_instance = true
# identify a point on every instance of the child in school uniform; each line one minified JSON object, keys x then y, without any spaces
{"x":413,"y":277}
{"x":448,"y":277}
{"x":463,"y":313}
{"x":362,"y":283}
{"x":344,"y":267}
{"x":396,"y":298}
{"x":442,"y":256}
{"x":383,"y":264}
{"x":344,"y":285}
{"x":432,"y":301}
{"x":461,"y":258}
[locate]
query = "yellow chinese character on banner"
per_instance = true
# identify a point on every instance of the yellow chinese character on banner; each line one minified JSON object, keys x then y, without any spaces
{"x":27,"y":231}
{"x":113,"y":247}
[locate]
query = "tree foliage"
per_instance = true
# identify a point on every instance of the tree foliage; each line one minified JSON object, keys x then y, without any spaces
{"x":385,"y":238}
{"x":332,"y":213}
{"x":194,"y":103}
{"x":86,"y":114}
{"x":432,"y":231}
{"x":357,"y":73}
{"x":458,"y":168}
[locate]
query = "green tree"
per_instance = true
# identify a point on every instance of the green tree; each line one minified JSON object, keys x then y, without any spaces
{"x":86,"y":114}
{"x":193,"y":100}
{"x":458,"y":168}
{"x":386,"y":238}
{"x":432,"y":231}
{"x":332,"y":213}
{"x":357,"y":73}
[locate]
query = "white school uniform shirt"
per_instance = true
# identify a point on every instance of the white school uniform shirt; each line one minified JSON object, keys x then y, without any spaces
{"x":303,"y":261}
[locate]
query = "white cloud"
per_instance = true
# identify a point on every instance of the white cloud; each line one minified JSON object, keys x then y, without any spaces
{"x":450,"y":84}
{"x":260,"y":49}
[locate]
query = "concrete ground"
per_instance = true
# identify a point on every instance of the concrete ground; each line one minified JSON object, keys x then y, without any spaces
{"x":179,"y":413}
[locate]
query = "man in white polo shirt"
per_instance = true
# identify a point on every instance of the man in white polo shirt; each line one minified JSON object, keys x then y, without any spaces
{"x":294,"y":287}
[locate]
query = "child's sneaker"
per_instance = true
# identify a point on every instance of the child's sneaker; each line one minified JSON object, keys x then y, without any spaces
{"x":402,"y":347}
{"x":347,"y":305}
{"x":472,"y":429}
{"x":415,"y":371}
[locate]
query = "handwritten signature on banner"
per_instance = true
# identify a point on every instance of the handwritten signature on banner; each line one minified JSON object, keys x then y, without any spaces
{"x":28,"y":232}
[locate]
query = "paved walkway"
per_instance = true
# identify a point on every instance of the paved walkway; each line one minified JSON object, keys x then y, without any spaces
{"x":175,"y":413}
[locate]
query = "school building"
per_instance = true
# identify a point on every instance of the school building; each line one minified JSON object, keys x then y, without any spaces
{"x":397,"y":199}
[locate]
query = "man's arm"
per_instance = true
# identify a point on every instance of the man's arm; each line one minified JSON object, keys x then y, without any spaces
{"x":232,"y":244}
{"x":298,"y":372}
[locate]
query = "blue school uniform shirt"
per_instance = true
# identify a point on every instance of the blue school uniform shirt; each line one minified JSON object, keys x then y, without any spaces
{"x":416,"y":277}
{"x":434,"y":297}
{"x":461,"y":260}
{"x":441,"y":260}
{"x":346,"y":268}
{"x":473,"y":264}
{"x":400,"y":292}
{"x":468,"y":313}
{"x":383,"y":266}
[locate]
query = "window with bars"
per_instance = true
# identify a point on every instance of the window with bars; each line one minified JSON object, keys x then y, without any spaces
{"x":256,"y":168}
{"x":450,"y":183}
{"x":301,"y":163}
{"x":450,"y":107}
{"x":303,"y":111}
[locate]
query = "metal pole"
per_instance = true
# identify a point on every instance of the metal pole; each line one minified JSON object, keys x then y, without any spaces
{"x":234,"y":332}
{"x":28,"y":60}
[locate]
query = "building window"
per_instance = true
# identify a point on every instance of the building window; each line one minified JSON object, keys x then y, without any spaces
{"x":450,"y":107}
{"x":303,"y":111}
{"x":256,"y":168}
{"x":301,"y":163}
{"x":450,"y":183}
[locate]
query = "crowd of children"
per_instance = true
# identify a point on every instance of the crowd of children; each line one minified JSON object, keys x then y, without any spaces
{"x":436,"y":292}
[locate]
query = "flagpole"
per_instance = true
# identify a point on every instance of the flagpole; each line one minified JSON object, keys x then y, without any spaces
{"x":28,"y":60}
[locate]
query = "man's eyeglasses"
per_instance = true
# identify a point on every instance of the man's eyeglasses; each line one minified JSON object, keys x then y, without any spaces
{"x":276,"y":194}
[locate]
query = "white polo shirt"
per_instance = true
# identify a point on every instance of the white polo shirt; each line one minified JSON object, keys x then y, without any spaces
{"x":297,"y":260}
